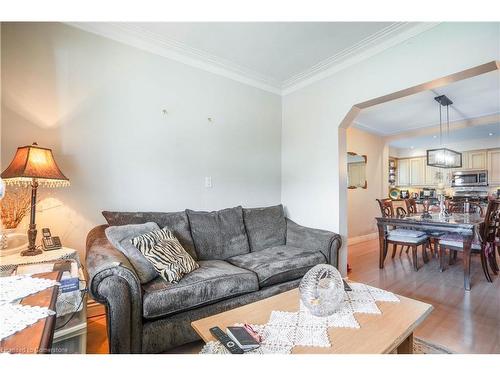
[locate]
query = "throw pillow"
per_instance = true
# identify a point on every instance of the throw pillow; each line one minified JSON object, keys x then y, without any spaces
{"x":120,"y":237}
{"x":218,"y":235}
{"x":166,"y":254}
{"x":176,"y":222}
{"x":266,"y":227}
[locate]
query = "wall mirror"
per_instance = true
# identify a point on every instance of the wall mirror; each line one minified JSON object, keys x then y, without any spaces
{"x":356,"y":171}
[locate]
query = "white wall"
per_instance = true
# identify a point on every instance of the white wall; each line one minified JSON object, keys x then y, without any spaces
{"x":361,"y":205}
{"x":311,"y":172}
{"x":98,"y":104}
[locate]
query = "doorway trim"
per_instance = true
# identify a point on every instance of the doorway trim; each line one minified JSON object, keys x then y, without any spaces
{"x":354,"y":112}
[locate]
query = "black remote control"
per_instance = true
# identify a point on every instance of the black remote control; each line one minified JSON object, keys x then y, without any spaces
{"x":347,"y":288}
{"x":226,"y":341}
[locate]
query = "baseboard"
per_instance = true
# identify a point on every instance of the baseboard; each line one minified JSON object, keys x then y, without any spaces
{"x":95,"y":308}
{"x":366,"y":237}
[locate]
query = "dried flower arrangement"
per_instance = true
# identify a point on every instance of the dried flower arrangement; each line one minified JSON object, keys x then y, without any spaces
{"x":14,"y":206}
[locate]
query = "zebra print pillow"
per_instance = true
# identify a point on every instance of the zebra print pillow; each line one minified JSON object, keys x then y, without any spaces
{"x":166,"y":254}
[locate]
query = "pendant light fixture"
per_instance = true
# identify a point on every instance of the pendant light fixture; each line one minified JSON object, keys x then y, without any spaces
{"x":444,"y":157}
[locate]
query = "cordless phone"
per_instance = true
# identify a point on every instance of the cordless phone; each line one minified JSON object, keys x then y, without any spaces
{"x":49,"y":242}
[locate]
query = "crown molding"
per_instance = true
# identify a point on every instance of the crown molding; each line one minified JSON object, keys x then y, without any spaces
{"x":386,"y":38}
{"x":151,"y":42}
{"x":138,"y":37}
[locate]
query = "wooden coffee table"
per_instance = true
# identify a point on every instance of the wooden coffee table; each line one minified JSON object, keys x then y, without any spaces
{"x":385,"y":333}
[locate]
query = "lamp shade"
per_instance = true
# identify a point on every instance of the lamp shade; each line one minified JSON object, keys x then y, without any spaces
{"x":33,"y":162}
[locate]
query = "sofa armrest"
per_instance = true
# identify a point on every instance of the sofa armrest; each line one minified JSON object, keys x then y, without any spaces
{"x":325,"y":241}
{"x":114,"y":283}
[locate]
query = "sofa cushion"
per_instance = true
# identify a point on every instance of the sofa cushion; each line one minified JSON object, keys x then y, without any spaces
{"x":218,"y":234}
{"x":278,"y":264}
{"x":215,"y":280}
{"x":120,"y":237}
{"x":266,"y":227}
{"x":176,"y":222}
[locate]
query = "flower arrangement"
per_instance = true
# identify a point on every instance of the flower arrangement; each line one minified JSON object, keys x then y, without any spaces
{"x":14,"y":206}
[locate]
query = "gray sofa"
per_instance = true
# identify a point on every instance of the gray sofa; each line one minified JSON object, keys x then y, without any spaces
{"x":244,"y":255}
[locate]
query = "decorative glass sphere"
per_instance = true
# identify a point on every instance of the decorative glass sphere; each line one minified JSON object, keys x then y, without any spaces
{"x":322,"y":290}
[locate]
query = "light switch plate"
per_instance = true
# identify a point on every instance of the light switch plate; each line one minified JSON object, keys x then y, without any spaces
{"x":208,"y":182}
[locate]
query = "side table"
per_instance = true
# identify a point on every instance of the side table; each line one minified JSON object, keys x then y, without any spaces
{"x":70,"y":334}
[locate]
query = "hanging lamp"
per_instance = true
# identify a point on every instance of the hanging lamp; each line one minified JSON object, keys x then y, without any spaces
{"x":444,"y":157}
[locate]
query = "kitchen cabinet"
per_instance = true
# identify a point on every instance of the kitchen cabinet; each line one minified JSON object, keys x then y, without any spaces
{"x":411,"y":172}
{"x":417,"y":171}
{"x":434,"y":176}
{"x":403,"y":170}
{"x":493,"y":157}
{"x":474,"y":159}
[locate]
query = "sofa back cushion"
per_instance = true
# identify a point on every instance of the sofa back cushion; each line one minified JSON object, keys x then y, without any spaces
{"x":218,"y":234}
{"x":121,"y":238}
{"x":266,"y":227}
{"x":176,"y":222}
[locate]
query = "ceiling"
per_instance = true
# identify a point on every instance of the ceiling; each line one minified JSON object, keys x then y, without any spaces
{"x":277,"y":50}
{"x":456,"y":136}
{"x":474,"y":97}
{"x":275,"y":56}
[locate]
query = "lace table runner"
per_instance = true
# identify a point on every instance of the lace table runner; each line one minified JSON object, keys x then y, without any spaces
{"x":284,"y":330}
{"x":15,"y":318}
{"x":15,"y":287}
{"x":10,"y":262}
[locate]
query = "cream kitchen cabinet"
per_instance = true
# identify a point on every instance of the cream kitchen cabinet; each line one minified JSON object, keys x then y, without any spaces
{"x":493,"y":157}
{"x":432,"y":175}
{"x":411,"y":172}
{"x":403,"y":172}
{"x":417,"y":171}
{"x":474,"y":159}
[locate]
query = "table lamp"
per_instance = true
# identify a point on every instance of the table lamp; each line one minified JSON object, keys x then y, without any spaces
{"x":33,"y":166}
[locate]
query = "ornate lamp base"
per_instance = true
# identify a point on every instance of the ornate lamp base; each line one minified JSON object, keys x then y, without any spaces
{"x":31,"y":252}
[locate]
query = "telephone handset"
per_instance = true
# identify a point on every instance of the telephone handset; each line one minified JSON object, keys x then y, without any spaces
{"x":49,"y":242}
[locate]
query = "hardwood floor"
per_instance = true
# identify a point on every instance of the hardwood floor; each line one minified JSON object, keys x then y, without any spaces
{"x":464,"y":322}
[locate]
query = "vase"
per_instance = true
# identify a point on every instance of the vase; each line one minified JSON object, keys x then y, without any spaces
{"x":322,"y":290}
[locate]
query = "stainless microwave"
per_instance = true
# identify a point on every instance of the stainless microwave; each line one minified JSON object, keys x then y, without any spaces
{"x":469,"y":178}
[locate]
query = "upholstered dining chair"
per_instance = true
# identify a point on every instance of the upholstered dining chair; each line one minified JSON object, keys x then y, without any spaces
{"x":412,"y":239}
{"x":459,"y":208}
{"x":411,"y":208}
{"x":484,"y":243}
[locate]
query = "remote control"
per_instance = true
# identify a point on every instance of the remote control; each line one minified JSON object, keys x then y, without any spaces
{"x":347,"y":288}
{"x":226,"y":341}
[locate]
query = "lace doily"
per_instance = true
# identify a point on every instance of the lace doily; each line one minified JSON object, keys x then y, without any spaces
{"x":284,"y":330}
{"x":15,"y":287}
{"x":15,"y":318}
{"x":10,"y":262}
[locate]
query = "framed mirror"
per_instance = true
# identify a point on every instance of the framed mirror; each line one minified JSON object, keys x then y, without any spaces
{"x":356,"y":171}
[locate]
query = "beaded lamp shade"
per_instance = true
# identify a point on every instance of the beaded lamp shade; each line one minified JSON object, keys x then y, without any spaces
{"x":33,"y":162}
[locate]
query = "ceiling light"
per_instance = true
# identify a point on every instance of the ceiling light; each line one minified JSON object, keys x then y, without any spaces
{"x":490,"y":134}
{"x":444,"y":157}
{"x":434,"y":136}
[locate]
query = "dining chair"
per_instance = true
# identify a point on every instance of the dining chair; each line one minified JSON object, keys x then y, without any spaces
{"x":411,"y":208}
{"x":484,"y":242}
{"x":459,"y":208}
{"x":412,"y":239}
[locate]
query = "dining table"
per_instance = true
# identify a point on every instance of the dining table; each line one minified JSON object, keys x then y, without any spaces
{"x":463,"y":225}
